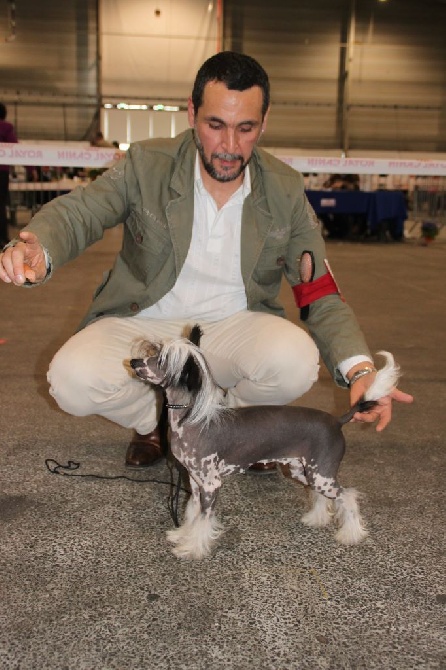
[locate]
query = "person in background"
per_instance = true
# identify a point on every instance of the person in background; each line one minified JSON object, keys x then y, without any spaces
{"x":342,"y":182}
{"x":7,"y":134}
{"x":99,"y":141}
{"x":212,"y":225}
{"x":341,"y":226}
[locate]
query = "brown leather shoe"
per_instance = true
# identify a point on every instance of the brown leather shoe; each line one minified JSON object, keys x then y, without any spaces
{"x":263,"y":468}
{"x":145,"y":450}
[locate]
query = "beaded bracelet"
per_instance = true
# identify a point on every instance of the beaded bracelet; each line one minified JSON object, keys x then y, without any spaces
{"x":361,"y":373}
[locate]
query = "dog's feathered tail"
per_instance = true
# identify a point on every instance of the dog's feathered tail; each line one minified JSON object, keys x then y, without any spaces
{"x":385,"y":381}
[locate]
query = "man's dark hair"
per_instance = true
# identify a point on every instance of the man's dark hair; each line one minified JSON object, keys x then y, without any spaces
{"x":3,"y":111}
{"x":237,"y":71}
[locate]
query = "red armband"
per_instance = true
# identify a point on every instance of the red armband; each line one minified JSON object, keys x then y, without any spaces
{"x":306,"y":293}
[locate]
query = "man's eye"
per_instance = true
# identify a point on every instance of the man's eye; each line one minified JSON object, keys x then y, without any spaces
{"x":246,"y":129}
{"x":215,"y":126}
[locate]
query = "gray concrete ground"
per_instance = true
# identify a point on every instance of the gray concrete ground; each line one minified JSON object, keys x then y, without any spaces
{"x":87,"y":578}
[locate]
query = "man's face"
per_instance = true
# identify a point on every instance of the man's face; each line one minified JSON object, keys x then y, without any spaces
{"x":227,"y":127}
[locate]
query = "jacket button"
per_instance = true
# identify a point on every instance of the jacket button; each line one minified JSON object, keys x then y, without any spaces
{"x":280,"y":260}
{"x":134,"y":307}
{"x":139,"y":238}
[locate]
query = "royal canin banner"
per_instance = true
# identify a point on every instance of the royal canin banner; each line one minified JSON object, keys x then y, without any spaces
{"x":408,"y":166}
{"x":98,"y":157}
{"x":58,"y":155}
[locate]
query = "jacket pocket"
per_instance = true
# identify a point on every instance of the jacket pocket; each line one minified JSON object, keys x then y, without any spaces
{"x":146,"y":246}
{"x":271,"y":264}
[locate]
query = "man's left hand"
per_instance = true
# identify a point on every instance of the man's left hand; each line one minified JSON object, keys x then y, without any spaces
{"x":383,"y":410}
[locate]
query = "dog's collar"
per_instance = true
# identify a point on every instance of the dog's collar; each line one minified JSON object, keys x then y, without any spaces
{"x":172,"y":406}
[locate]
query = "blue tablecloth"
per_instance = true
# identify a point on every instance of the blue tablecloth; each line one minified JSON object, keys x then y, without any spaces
{"x":378,"y":206}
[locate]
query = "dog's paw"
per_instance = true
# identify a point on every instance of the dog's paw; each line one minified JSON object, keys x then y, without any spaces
{"x":352,"y":533}
{"x":321,"y":512}
{"x":176,"y":535}
{"x":191,"y":553}
{"x":316,"y":518}
{"x":195,"y":540}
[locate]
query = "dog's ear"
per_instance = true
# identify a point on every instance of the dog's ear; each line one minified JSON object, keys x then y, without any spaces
{"x":195,"y":335}
{"x":191,"y":375}
{"x":191,"y":378}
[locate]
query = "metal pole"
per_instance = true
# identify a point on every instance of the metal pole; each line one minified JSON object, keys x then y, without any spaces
{"x":347,"y":78}
{"x":98,"y":63}
{"x":219,"y":25}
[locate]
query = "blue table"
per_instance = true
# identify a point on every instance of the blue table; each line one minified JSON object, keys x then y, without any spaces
{"x":380,"y":207}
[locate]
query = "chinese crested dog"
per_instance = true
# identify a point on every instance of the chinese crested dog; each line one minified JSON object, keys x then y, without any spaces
{"x":211,"y":440}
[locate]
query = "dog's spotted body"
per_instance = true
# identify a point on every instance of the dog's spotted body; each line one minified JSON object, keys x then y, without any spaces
{"x":212,"y":441}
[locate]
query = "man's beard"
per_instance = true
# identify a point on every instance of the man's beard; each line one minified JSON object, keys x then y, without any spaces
{"x":212,"y":171}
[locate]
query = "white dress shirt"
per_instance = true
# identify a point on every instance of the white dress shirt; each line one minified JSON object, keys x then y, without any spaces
{"x":210,"y":285}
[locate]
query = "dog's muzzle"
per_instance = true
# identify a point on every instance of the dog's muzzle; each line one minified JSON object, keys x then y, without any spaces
{"x":136,"y":363}
{"x":139,"y":367}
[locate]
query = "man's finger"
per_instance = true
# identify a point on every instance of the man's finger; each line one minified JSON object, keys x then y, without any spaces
{"x":3,"y":274}
{"x":400,"y":396}
{"x":366,"y":417}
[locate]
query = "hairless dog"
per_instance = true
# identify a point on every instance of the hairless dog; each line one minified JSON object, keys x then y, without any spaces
{"x":211,"y":441}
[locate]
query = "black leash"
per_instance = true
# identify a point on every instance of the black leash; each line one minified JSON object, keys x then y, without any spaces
{"x":69,"y":469}
{"x":173,"y":499}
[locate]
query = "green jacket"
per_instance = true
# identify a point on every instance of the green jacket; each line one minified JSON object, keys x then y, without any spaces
{"x":151,"y":191}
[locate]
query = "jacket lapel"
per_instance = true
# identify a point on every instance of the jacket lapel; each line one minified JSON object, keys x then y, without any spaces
{"x":256,"y":224}
{"x":180,"y":209}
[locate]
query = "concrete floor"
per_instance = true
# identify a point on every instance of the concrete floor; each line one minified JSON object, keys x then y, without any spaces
{"x":87,"y":579}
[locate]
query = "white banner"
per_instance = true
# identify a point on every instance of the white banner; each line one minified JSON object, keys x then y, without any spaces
{"x":408,"y":166}
{"x":58,"y":155}
{"x":98,"y":157}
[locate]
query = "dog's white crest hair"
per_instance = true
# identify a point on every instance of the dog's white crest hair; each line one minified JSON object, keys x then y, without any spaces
{"x":208,"y":402}
{"x":385,"y":380}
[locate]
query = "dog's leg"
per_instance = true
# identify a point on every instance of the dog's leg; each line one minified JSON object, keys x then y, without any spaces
{"x":200,"y":531}
{"x":193,"y":509}
{"x":297,"y":470}
{"x":351,"y":526}
{"x":321,"y":510}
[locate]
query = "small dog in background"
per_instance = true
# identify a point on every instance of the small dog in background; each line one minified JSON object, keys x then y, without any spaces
{"x":211,"y":441}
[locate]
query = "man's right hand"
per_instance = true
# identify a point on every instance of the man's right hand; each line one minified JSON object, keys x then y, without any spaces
{"x":24,"y":261}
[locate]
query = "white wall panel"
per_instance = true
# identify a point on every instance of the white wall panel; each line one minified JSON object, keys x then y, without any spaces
{"x":138,"y":125}
{"x":151,"y":49}
{"x":162,"y":124}
{"x":115,"y":125}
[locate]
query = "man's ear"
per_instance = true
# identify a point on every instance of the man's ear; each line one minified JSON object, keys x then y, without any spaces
{"x":190,"y":112}
{"x":265,"y":120}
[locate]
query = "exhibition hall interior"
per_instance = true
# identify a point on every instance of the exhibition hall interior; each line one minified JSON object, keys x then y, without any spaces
{"x":358,"y":108}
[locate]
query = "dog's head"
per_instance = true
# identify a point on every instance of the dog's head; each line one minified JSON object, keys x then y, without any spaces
{"x":172,"y":364}
{"x":180,"y":365}
{"x":148,"y":368}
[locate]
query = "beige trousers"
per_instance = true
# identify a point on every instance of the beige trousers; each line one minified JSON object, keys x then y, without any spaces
{"x":260,"y":358}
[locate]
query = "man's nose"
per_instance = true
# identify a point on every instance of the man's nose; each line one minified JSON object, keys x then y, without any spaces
{"x":230,"y":140}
